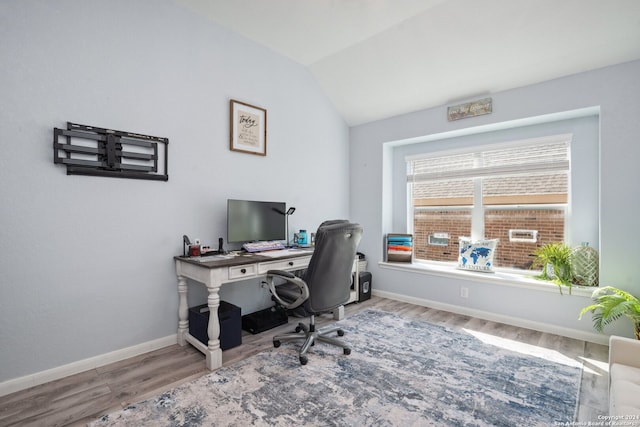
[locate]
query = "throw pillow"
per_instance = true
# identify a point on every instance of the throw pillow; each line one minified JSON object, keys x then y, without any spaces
{"x":477,"y":256}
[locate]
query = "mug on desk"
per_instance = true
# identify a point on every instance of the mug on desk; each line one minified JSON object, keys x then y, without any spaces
{"x":300,"y":238}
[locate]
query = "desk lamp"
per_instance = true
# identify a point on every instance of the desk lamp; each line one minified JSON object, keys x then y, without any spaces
{"x":185,"y":244}
{"x":289,"y":212}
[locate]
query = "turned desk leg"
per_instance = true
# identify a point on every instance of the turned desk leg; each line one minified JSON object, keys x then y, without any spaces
{"x":183,"y":311}
{"x":214,"y":352}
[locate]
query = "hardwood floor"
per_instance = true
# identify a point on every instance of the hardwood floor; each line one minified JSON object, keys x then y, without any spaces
{"x":77,"y":399}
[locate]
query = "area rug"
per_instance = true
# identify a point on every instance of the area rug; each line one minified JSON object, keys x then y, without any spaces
{"x":401,"y":372}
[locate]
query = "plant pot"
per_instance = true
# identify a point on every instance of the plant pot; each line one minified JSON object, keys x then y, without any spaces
{"x":552,"y":270}
{"x":551,"y":274}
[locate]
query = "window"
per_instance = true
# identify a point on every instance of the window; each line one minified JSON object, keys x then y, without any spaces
{"x":516,"y":192}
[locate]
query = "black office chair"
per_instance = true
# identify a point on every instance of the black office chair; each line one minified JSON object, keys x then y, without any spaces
{"x":324,"y":287}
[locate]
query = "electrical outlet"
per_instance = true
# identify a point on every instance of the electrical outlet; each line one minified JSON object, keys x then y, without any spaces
{"x":464,"y":292}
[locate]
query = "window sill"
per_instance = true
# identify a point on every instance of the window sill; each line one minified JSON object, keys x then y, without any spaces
{"x":500,"y":277}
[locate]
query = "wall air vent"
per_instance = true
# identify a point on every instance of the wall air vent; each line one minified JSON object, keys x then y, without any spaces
{"x":524,"y":236}
{"x":439,"y":239}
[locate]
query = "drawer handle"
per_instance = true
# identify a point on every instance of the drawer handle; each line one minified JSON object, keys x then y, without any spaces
{"x":244,"y":270}
{"x":291,"y":263}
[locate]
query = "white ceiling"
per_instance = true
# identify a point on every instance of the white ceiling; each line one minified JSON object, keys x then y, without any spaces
{"x":379,"y":58}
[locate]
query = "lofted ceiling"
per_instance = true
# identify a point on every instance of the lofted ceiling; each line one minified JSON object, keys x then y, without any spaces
{"x":379,"y":58}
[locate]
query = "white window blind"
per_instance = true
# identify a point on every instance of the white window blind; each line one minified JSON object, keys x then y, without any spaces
{"x":540,"y":155}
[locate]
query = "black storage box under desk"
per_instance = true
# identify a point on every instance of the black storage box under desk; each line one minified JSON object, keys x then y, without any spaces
{"x":229,"y":317}
{"x":264,"y":320}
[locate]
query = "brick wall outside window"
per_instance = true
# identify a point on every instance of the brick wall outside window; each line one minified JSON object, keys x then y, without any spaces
{"x":548,"y":222}
{"x":426,"y":222}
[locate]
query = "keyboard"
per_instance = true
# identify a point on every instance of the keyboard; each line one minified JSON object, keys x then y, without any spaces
{"x":286,"y":252}
{"x":267,"y":245}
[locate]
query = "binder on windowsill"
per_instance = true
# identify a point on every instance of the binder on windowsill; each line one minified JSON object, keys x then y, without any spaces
{"x":399,"y":247}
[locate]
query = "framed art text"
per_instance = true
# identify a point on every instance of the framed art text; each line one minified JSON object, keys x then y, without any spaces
{"x":248,"y":128}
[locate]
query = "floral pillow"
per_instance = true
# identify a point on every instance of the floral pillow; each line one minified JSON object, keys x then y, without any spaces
{"x":476,"y":256}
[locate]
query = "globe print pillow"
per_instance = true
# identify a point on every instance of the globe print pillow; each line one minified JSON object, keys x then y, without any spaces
{"x":477,"y":256}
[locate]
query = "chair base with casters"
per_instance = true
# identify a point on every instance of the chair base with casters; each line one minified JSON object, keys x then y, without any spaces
{"x":310,"y":335}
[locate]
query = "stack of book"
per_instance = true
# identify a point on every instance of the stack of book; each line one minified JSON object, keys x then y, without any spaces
{"x":399,"y":247}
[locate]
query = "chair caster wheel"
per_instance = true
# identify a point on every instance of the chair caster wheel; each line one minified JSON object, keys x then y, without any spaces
{"x":298,"y":329}
{"x":276,"y":343}
{"x":340,"y":333}
{"x":346,"y":351}
{"x":303,"y":360}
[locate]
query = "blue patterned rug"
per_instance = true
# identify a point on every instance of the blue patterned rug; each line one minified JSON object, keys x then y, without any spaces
{"x":401,"y":372}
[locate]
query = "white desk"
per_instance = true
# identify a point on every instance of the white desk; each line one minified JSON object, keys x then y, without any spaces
{"x":217,"y":271}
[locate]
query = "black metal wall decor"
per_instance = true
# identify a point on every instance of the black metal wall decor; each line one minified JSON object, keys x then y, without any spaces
{"x":89,"y":150}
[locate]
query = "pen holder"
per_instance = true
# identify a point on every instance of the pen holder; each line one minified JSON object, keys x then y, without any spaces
{"x":194,"y":250}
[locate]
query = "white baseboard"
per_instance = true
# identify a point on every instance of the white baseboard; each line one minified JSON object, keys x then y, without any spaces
{"x":22,"y":383}
{"x":509,"y":320}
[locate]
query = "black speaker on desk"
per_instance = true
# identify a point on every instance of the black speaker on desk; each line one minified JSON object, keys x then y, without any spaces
{"x":364,"y":290}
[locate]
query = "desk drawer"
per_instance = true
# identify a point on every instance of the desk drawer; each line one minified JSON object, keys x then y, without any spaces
{"x":289,"y":264}
{"x":242,"y":271}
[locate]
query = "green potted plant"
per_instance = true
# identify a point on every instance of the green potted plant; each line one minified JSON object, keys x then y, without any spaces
{"x":611,"y":304}
{"x":555,"y":260}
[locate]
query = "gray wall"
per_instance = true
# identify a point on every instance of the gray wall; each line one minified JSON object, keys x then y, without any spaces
{"x":86,"y":265}
{"x":614,"y":90}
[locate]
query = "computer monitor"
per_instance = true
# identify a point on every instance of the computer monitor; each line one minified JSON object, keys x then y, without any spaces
{"x":250,"y":221}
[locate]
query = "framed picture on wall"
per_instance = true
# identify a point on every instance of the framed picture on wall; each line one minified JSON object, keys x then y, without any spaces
{"x":248,"y":128}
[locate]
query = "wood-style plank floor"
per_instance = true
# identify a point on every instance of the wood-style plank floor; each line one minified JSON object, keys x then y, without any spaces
{"x":77,"y":399}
